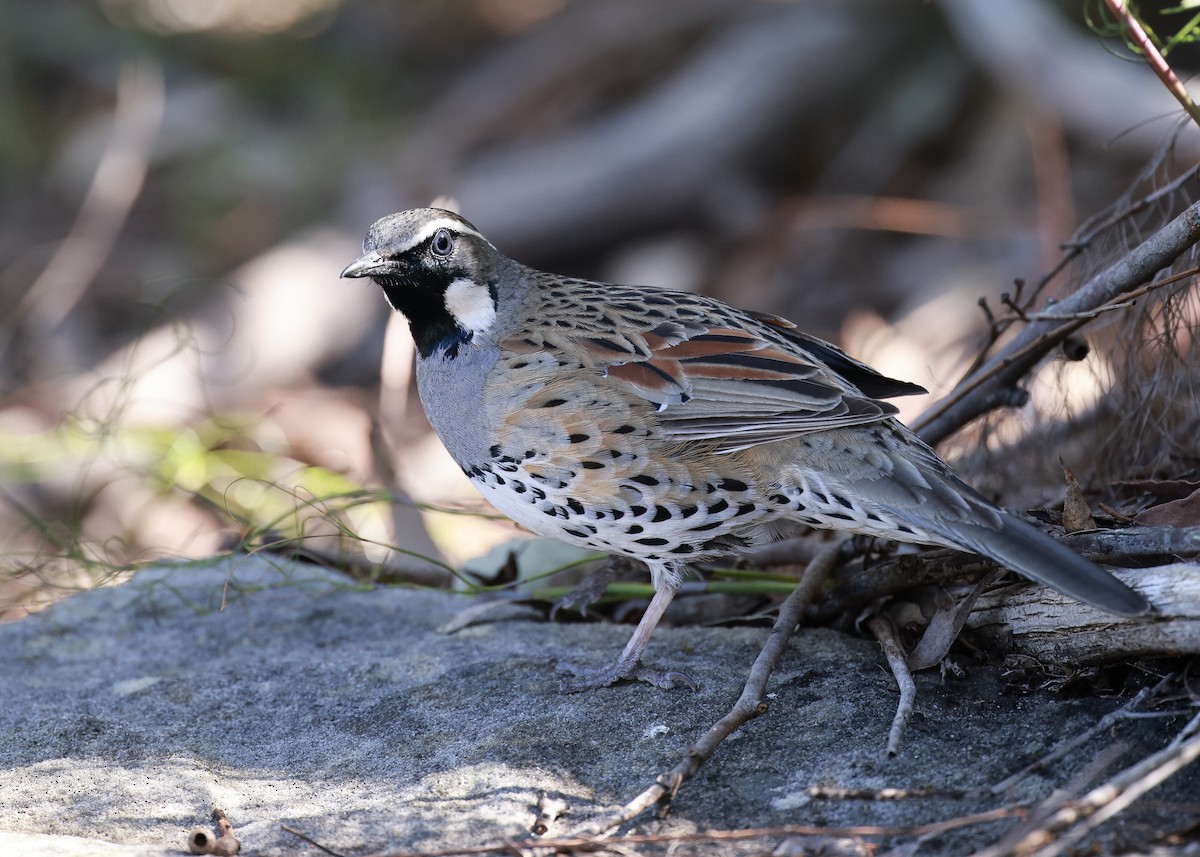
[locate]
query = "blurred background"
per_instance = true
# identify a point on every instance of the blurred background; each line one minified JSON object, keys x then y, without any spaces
{"x":183,"y":372}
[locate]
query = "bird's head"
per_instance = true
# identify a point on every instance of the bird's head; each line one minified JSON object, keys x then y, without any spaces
{"x":439,"y":271}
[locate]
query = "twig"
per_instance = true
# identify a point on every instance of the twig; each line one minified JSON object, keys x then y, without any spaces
{"x":985,"y":388}
{"x":588,"y":844}
{"x":1095,"y":226}
{"x":1102,"y":725}
{"x":357,"y":566}
{"x":748,"y":706}
{"x":885,"y":633}
{"x":315,"y":844}
{"x":1125,"y":302}
{"x":1154,"y":58}
{"x":1072,"y":822}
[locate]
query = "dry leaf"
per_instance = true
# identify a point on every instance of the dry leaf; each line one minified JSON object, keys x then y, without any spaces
{"x":1176,"y":513}
{"x":1077,"y":514}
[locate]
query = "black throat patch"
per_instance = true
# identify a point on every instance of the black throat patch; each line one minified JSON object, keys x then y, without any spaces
{"x":424,"y":305}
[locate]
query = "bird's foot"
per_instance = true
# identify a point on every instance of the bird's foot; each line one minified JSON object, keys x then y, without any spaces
{"x":591,"y":589}
{"x":591,"y":678}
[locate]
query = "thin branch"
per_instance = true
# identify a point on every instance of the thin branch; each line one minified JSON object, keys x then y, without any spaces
{"x":1154,"y":58}
{"x":1076,"y":819}
{"x":1124,"y":302}
{"x":1102,"y":725}
{"x":990,"y":385}
{"x":749,"y":705}
{"x":587,"y":844}
{"x":885,"y":633}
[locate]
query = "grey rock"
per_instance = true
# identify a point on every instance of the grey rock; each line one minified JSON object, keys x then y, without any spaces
{"x":286,"y":695}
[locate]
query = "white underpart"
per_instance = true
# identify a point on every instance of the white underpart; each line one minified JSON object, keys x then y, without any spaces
{"x":470,"y":305}
{"x":454,"y":227}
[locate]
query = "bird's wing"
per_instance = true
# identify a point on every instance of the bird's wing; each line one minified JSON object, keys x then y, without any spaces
{"x":741,"y":381}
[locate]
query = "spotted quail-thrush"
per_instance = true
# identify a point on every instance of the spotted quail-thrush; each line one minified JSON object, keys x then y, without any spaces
{"x":671,"y":427}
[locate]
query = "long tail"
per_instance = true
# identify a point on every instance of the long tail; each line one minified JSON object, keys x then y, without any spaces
{"x":1026,"y":549}
{"x":916,"y":497}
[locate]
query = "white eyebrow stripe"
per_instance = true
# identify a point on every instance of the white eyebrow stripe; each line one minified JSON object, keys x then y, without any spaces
{"x":430,"y":228}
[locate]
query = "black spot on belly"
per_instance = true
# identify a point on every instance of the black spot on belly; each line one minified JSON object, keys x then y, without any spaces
{"x":652,"y":542}
{"x":719,"y":506}
{"x":732,"y":485}
{"x":634,"y":529}
{"x":661,"y":513}
{"x":592,"y":465}
{"x":643,"y":479}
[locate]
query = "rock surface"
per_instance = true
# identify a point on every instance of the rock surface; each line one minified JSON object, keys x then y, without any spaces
{"x":287,"y":696}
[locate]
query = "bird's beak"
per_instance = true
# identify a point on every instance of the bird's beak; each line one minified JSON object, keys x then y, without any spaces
{"x":368,"y":265}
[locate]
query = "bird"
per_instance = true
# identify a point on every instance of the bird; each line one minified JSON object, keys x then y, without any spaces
{"x":671,"y":427}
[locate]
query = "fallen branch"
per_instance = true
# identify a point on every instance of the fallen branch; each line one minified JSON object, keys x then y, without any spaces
{"x":1144,"y":547}
{"x":1054,"y":629}
{"x":885,"y":633}
{"x":749,"y":705}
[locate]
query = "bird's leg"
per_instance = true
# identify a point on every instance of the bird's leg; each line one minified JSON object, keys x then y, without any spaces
{"x":628,"y":665}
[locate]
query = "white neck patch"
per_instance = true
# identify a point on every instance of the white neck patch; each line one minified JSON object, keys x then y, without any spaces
{"x":470,"y":305}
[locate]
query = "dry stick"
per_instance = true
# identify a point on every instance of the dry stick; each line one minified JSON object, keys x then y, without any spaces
{"x":1084,"y":236}
{"x":1102,"y":725}
{"x":748,"y":706}
{"x":885,"y":633}
{"x":1125,"y":301}
{"x":1060,"y":797}
{"x":317,"y":844}
{"x":988,"y":387}
{"x":586,"y":845}
{"x":1073,"y":822}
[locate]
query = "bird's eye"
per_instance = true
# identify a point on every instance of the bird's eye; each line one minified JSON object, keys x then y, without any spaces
{"x":443,"y":244}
